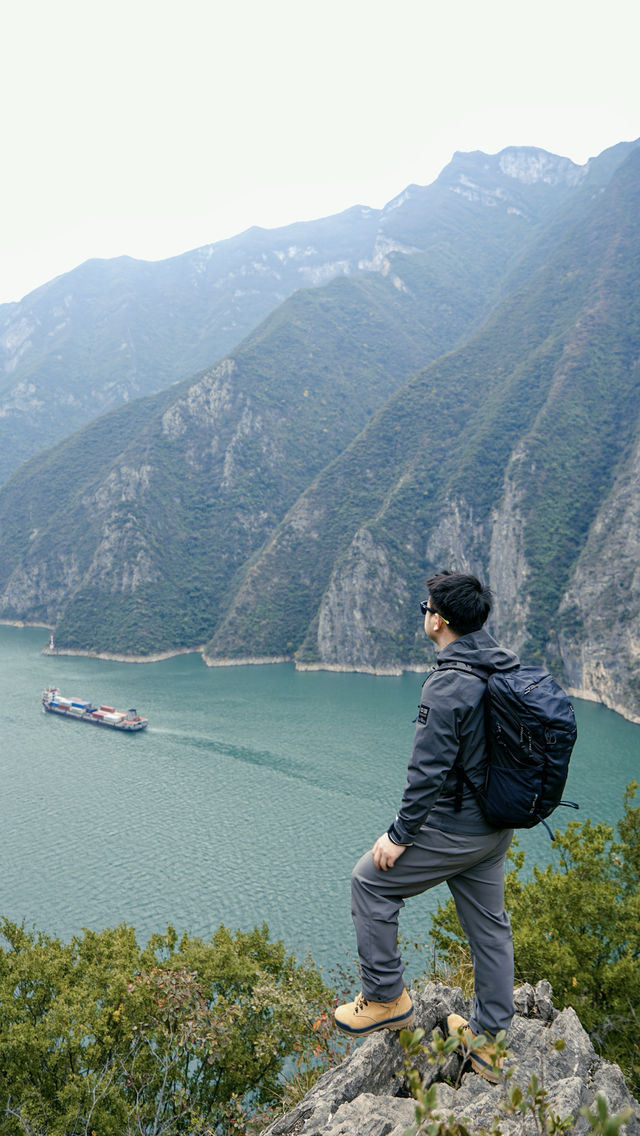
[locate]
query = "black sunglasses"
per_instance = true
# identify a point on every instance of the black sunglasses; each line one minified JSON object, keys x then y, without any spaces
{"x":424,"y":608}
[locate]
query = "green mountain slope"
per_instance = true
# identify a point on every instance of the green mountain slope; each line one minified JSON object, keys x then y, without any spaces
{"x":112,"y":331}
{"x":128,"y":535}
{"x":290,"y":500}
{"x":498,"y":458}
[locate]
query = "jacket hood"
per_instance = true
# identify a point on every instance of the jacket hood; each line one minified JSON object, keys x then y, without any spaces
{"x":478,"y":649}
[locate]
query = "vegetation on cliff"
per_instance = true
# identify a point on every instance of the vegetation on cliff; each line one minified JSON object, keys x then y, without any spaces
{"x":192,"y":1036}
{"x":99,"y":1035}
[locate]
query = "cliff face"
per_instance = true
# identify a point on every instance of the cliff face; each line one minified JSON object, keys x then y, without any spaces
{"x":599,"y":641}
{"x":368,"y":1094}
{"x":291,"y":500}
{"x":515,"y":458}
{"x":360,"y":613}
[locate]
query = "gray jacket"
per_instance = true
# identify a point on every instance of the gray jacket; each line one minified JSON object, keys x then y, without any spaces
{"x":450,"y":722}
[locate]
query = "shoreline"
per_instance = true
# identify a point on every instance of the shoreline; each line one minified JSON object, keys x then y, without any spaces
{"x":244,"y":661}
{"x":589,"y":696}
{"x":226,"y":661}
{"x":25,"y":623}
{"x":583,"y":693}
{"x":345,"y":668}
{"x":110,"y":657}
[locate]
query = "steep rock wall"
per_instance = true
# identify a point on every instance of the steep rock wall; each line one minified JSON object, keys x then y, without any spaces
{"x":360,"y":617}
{"x":598,"y":643}
{"x":508,"y":568}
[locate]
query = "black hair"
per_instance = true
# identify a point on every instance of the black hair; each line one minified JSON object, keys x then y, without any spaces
{"x":463,"y":600}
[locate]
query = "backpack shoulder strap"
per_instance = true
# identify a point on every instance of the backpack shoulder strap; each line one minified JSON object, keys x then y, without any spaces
{"x":466,"y":668}
{"x":462,"y":778}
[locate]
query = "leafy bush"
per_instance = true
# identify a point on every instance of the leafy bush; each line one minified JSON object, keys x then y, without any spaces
{"x":100,"y":1035}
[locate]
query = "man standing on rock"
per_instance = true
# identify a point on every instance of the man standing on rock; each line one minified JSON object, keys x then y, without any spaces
{"x":440,"y":834}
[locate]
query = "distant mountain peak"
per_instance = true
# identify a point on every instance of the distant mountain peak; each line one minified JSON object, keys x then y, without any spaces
{"x":525,"y":164}
{"x":530,"y":165}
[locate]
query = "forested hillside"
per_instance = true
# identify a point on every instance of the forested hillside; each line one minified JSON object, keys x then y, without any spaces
{"x":476,"y":409}
{"x":504,"y":457}
{"x":112,"y":331}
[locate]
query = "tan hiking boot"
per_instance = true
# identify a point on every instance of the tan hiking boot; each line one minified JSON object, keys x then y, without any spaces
{"x":483,"y":1060}
{"x":363,"y":1016}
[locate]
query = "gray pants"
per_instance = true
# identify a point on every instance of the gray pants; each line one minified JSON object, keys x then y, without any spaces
{"x":473,"y":868}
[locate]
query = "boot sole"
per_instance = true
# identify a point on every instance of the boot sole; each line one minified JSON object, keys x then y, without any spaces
{"x":405,"y":1021}
{"x":484,"y":1070}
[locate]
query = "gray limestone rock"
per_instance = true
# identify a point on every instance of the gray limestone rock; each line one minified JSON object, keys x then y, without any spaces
{"x":368,"y":1094}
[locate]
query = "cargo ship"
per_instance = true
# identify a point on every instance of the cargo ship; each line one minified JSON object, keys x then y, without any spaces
{"x":128,"y":720}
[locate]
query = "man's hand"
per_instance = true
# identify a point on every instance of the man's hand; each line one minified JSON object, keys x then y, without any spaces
{"x":385,"y":852}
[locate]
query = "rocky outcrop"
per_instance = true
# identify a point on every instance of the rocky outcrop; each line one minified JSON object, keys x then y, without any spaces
{"x":367,"y":1095}
{"x":599,"y":663}
{"x":366,"y":592}
{"x":508,"y":568}
{"x":531,"y":166}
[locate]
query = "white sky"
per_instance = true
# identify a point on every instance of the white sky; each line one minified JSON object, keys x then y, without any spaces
{"x":150,"y":127}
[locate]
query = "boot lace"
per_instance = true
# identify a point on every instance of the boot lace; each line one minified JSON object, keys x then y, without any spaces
{"x":361,"y":1002}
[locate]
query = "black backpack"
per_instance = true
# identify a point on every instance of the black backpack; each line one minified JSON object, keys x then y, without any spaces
{"x":531,"y":731}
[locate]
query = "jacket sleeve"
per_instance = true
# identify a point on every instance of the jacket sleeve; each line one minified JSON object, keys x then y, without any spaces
{"x":435,"y":747}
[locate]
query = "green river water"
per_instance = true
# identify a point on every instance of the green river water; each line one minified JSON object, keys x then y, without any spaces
{"x":248,"y":799}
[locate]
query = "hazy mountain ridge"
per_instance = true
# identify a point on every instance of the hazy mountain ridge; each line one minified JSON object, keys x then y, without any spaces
{"x":111,"y":331}
{"x":291,"y":500}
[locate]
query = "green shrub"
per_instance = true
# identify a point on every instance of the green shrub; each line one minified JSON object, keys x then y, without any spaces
{"x":98,"y":1035}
